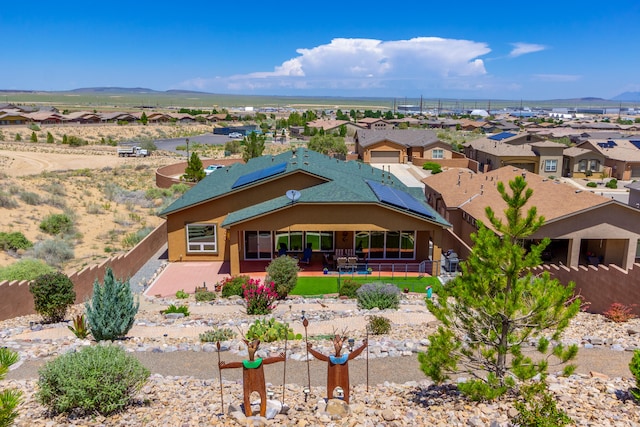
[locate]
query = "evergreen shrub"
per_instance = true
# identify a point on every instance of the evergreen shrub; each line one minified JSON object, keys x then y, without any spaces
{"x":112,"y":308}
{"x":283,"y":272}
{"x":234,"y":286}
{"x":9,"y":399}
{"x":52,"y":295}
{"x":348,"y":288}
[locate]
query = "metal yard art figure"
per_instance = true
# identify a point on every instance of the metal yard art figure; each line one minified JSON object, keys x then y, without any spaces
{"x":253,"y":375}
{"x":338,"y":365}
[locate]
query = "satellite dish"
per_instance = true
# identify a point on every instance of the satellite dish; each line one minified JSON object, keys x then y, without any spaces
{"x":293,"y":195}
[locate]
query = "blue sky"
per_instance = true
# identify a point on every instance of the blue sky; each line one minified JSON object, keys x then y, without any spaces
{"x":477,"y":50}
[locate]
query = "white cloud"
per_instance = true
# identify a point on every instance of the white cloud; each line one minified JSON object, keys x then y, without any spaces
{"x":524,"y":48}
{"x":363,"y":64}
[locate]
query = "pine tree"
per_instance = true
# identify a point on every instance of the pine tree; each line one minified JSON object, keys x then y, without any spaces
{"x":34,"y":137}
{"x":497,"y":306}
{"x":112,"y":308}
{"x":194,"y":171}
{"x":50,"y":139}
{"x":143,"y":118}
{"x":254,"y":146}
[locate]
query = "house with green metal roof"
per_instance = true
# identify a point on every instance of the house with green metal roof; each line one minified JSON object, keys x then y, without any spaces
{"x":244,"y":215}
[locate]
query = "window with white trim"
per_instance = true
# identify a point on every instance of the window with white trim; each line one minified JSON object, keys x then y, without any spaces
{"x":202,"y":238}
{"x":437,"y":153}
{"x":550,"y":165}
{"x":594,"y":165}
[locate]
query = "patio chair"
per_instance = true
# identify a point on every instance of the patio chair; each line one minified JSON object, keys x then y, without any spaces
{"x":341,"y":261}
{"x":306,"y":255}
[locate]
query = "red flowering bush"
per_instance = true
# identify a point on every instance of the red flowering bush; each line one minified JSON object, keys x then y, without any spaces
{"x":259,"y":297}
{"x":619,"y":312}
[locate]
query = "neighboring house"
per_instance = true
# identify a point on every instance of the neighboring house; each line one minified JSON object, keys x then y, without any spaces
{"x":526,"y":151}
{"x":118,"y":117}
{"x":393,"y":146}
{"x":239,"y":215}
{"x":585,"y":228}
{"x":581,"y":162}
{"x":471,"y":125}
{"x":46,"y":117}
{"x":158,"y":117}
{"x":634,"y":194}
{"x":82,"y":117}
{"x":375,"y":123}
{"x":12,"y":117}
{"x":501,"y":126}
{"x":622,"y":156}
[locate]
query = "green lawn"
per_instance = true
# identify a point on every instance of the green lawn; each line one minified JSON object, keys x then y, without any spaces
{"x":320,"y":285}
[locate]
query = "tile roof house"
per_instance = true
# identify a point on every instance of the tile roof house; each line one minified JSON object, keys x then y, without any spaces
{"x":240,"y":215}
{"x":585,"y":228}
{"x":582,"y":162}
{"x":373,"y":123}
{"x":526,"y":151}
{"x":393,"y":146}
{"x":622,"y":155}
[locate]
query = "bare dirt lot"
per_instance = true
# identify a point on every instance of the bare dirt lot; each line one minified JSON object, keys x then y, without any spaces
{"x":108,"y":197}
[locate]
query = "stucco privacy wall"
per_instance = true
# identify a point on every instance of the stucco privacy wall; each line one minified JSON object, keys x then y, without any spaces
{"x":16,"y":300}
{"x":601,"y":286}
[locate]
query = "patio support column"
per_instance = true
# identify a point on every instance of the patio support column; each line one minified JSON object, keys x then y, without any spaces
{"x":573,"y":252}
{"x":629,"y":256}
{"x":234,"y":252}
{"x":436,"y":238}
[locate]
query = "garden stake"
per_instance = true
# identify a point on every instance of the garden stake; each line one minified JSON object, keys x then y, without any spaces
{"x":305,"y":323}
{"x":367,"y":328}
{"x":220,"y":373}
{"x":284,"y":372}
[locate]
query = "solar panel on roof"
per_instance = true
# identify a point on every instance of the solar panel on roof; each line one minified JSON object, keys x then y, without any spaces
{"x":635,"y":143}
{"x":258,"y":175}
{"x":398,"y":198}
{"x":502,"y":135}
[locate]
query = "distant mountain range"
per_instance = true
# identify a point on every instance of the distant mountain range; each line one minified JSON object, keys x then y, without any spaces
{"x":122,"y":90}
{"x":627,"y":97}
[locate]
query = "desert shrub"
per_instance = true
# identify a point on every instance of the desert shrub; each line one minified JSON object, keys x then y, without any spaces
{"x":96,"y":379}
{"x":612,"y":183}
{"x":76,"y":141}
{"x":57,"y":224}
{"x":6,"y":201}
{"x":179,"y":188}
{"x":217,"y":334}
{"x":132,"y":239}
{"x":378,"y":325}
{"x":30,"y":198}
{"x":283,"y":272}
{"x":592,"y":184}
{"x":260,"y":298}
{"x":203,"y":295}
{"x":34,"y":127}
{"x":537,"y":408}
{"x":269,"y":330}
{"x":54,"y":252}
{"x":94,"y":209}
{"x":156,"y":193}
{"x":181,"y":294}
{"x":233,"y":147}
{"x":56,"y":202}
{"x":234,"y":286}
{"x":55,"y":188}
{"x":380,"y":295}
{"x":9,"y":399}
{"x":112,"y":308}
{"x":14,"y":241}
{"x":619,"y":312}
{"x":53,"y":293}
{"x":435,"y":168}
{"x":176,"y":309}
{"x":634,"y":367}
{"x":25,"y":269}
{"x":348,"y":288}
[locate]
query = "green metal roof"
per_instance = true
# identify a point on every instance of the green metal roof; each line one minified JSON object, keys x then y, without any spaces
{"x":346,"y":183}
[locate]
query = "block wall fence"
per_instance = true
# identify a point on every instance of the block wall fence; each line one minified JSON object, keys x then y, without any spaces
{"x":16,"y":300}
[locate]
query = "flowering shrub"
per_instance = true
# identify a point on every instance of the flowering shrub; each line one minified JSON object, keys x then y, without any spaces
{"x":380,"y":295}
{"x":259,"y":297}
{"x":619,"y":313}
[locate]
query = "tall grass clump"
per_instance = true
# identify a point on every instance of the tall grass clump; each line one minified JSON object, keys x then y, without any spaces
{"x":6,"y":201}
{"x":378,"y":295}
{"x":96,"y":379}
{"x":56,"y":224}
{"x":112,"y":309}
{"x":30,"y":198}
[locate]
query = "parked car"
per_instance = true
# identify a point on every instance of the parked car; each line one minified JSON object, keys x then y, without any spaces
{"x":212,"y":168}
{"x":235,"y":135}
